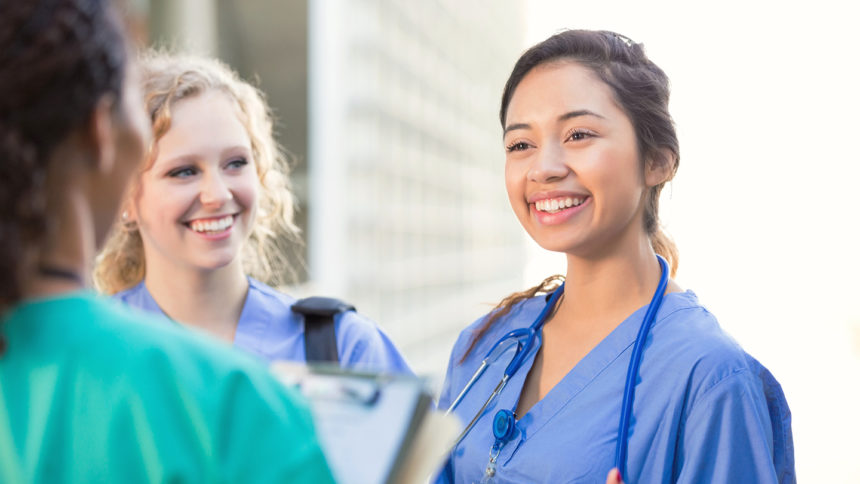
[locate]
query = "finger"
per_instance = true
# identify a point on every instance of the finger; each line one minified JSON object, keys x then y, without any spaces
{"x":614,"y":477}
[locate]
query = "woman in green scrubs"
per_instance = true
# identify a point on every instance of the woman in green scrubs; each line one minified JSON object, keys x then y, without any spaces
{"x":88,"y":391}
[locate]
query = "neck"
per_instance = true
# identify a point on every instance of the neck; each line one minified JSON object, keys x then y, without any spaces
{"x":64,"y":260}
{"x":609,"y":287}
{"x":211,"y":300}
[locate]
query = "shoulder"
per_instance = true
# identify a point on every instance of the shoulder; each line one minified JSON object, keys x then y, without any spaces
{"x":692,"y":345}
{"x":364,"y":345}
{"x":354,"y":323}
{"x":263,"y":293}
{"x":195,"y":393}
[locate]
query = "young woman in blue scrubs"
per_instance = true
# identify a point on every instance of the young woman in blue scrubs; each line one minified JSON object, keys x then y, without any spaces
{"x":209,"y":215}
{"x":91,"y":392}
{"x":589,"y":145}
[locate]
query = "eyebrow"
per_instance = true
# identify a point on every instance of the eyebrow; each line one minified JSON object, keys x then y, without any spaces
{"x":230,"y":150}
{"x":563,"y":117}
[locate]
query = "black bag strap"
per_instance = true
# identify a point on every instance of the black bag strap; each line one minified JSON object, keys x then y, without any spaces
{"x":320,"y":338}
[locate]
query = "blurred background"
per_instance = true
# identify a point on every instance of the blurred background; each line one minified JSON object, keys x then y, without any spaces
{"x":390,"y":108}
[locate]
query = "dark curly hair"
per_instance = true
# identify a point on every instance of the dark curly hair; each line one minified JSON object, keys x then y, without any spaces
{"x":641,"y":89}
{"x":57,"y":59}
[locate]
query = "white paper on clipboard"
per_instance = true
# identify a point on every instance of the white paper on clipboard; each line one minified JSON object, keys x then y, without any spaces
{"x":369,"y":424}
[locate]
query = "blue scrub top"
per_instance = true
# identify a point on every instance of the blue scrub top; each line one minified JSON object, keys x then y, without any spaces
{"x":269,"y":329}
{"x":704,"y":410}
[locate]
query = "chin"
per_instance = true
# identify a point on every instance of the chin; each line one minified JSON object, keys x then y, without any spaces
{"x":556,"y":241}
{"x":555,"y":246}
{"x":213,"y":262}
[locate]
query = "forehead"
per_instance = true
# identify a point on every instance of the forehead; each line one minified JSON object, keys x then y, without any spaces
{"x":206,"y":121}
{"x":555,"y":88}
{"x":211,"y":108}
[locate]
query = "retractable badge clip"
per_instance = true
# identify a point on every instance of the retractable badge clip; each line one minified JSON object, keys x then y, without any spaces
{"x":504,"y":427}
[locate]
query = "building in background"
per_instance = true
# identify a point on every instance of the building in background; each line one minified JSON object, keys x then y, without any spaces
{"x":391,"y":109}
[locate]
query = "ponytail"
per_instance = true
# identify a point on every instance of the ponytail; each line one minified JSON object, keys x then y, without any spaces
{"x":664,"y":245}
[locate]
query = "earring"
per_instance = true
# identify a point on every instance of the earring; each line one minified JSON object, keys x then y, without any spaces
{"x":128,"y":225}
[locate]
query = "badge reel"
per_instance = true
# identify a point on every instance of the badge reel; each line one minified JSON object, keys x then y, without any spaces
{"x":504,"y":426}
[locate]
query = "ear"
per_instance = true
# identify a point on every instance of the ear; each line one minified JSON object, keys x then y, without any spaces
{"x":99,"y":134}
{"x":660,"y":168}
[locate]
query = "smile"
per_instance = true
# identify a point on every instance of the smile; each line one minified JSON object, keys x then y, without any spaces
{"x":555,"y":205}
{"x":211,"y":225}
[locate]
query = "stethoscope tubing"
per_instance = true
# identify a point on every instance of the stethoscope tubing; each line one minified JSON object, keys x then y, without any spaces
{"x":523,"y":349}
{"x":633,"y":368}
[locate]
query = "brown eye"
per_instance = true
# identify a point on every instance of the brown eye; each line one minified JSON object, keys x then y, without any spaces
{"x":579,"y":135}
{"x":520,"y":146}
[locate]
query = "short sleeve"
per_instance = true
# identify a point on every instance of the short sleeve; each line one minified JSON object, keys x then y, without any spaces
{"x":363,"y":345}
{"x":727,"y":436}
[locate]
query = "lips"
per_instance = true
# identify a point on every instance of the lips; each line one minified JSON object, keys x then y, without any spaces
{"x":557,"y":208}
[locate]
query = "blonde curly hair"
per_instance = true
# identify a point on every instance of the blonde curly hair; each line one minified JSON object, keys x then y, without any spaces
{"x":167,"y":79}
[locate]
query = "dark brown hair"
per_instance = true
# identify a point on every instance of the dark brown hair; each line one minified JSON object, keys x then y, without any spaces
{"x":57,"y":59}
{"x":641,"y":90}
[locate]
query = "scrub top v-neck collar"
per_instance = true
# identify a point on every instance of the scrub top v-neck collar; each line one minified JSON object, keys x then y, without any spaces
{"x":151,"y":305}
{"x":575,"y":381}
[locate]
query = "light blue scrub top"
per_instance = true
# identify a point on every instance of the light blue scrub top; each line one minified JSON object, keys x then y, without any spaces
{"x":704,"y":410}
{"x":269,"y":329}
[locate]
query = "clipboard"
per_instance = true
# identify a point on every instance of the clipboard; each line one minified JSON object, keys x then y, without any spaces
{"x":373,"y":428}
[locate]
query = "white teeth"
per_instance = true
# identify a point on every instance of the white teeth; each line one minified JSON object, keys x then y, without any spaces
{"x":212,"y":225}
{"x":558,"y":204}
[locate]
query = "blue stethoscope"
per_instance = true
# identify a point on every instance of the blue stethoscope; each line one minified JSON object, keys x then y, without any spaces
{"x":523,"y":338}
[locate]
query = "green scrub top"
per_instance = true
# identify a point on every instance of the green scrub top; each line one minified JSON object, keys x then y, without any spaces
{"x":91,"y":392}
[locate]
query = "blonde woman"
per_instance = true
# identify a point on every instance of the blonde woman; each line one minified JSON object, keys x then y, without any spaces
{"x":198,"y":231}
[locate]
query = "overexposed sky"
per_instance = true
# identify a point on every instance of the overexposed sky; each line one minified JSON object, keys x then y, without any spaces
{"x":765,"y":98}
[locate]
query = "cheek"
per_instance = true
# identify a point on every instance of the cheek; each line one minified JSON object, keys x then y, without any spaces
{"x":247,"y":191}
{"x":515,"y":182}
{"x":160,"y":204}
{"x":620,"y":178}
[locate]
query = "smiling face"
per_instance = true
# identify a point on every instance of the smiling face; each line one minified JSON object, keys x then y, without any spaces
{"x":573,"y":171}
{"x":196,"y":204}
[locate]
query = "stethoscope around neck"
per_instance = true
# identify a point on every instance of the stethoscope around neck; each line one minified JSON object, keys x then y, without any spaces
{"x":523,"y":339}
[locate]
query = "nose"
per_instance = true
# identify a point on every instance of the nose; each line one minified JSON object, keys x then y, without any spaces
{"x":215,"y":191}
{"x":548,"y":165}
